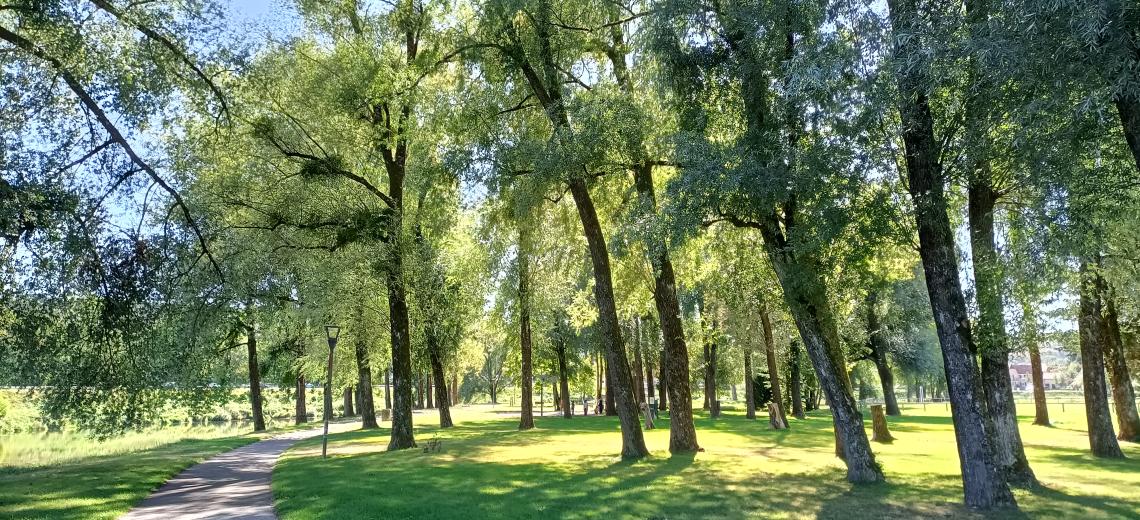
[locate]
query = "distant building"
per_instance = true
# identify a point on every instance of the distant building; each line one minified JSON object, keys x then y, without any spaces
{"x":1020,"y":377}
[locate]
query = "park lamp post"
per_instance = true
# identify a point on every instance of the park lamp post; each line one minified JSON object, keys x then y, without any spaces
{"x":332,"y":333}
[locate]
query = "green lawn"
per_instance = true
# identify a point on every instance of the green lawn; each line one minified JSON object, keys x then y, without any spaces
{"x":70,"y":476}
{"x":569,"y":469}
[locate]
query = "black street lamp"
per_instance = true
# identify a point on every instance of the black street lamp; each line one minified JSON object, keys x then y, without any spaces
{"x":332,"y":333}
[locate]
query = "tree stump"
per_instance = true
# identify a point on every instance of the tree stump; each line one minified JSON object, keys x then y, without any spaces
{"x":879,"y":424}
{"x":774,"y":419}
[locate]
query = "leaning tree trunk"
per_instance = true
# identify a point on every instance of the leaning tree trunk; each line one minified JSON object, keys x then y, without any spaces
{"x":1123,"y":397}
{"x":255,"y":399}
{"x":347,"y":396}
{"x":773,"y":366}
{"x":806,"y":297}
{"x":364,"y":402}
{"x":442,"y":401}
{"x":795,"y":385}
{"x":564,"y":380}
{"x":301,"y":415}
{"x":983,"y":484}
{"x":526,"y":379}
{"x":879,"y":355}
{"x":1009,"y":453}
{"x":633,"y":440}
{"x":1029,"y":332}
{"x":749,"y":395}
{"x":1102,"y":440}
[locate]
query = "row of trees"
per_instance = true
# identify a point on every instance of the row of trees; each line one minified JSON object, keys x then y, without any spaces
{"x":568,"y":179}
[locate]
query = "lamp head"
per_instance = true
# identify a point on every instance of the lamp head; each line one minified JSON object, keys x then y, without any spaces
{"x":332,"y":333}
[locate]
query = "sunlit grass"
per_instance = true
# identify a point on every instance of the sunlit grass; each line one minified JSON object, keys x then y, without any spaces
{"x":570,"y":469}
{"x":73,"y":476}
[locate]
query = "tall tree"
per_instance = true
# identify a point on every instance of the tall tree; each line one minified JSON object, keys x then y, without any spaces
{"x":984,"y":486}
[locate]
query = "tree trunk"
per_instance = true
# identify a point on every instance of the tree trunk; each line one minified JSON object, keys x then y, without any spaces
{"x":454,"y":390}
{"x":879,"y":354}
{"x":1123,"y":396}
{"x":387,"y":389}
{"x":796,"y":390}
{"x":611,"y":408}
{"x":402,"y":436}
{"x":564,"y":380}
{"x":420,"y":392}
{"x":1128,"y":107}
{"x":881,"y":433}
{"x":749,"y":395}
{"x":255,"y":399}
{"x":714,"y":407}
{"x":638,"y":377}
{"x":1009,"y":453}
{"x":494,"y":395}
{"x":365,"y":403}
{"x":429,"y":393}
{"x":301,"y":415}
{"x":598,"y":374}
{"x":441,"y":397}
{"x":556,"y":398}
{"x":347,"y":395}
{"x":806,"y":297}
{"x":773,"y":366}
{"x":1102,"y":440}
{"x":706,"y":404}
{"x":663,"y":389}
{"x":526,"y":377}
{"x":649,"y":384}
{"x":983,"y":485}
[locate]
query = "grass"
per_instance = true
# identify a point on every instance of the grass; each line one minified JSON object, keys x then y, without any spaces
{"x":569,"y":469}
{"x":72,"y":476}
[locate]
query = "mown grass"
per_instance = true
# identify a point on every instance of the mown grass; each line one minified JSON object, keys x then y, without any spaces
{"x":570,"y":469}
{"x":73,"y":476}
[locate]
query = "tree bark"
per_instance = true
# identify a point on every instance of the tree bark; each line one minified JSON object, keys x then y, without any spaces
{"x":526,"y":379}
{"x":301,"y":415}
{"x":547,"y":88}
{"x":563,"y":379}
{"x":638,"y":377}
{"x":387,"y":389}
{"x":879,"y":425}
{"x":983,"y":485}
{"x":879,"y":349}
{"x":347,"y":397}
{"x":420,"y":402}
{"x":749,"y":395}
{"x":402,"y":436}
{"x":796,"y":389}
{"x":1102,"y":440}
{"x":255,"y":399}
{"x":611,"y":407}
{"x":1123,"y":396}
{"x":773,"y":366}
{"x":429,"y":393}
{"x":714,"y":407}
{"x":649,"y":384}
{"x":454,"y":390}
{"x":365,"y":403}
{"x":663,"y":388}
{"x":441,"y":397}
{"x":1009,"y":453}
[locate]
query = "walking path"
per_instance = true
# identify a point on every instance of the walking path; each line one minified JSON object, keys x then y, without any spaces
{"x":234,"y":484}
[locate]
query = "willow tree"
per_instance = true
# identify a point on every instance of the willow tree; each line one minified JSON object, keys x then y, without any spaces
{"x":984,"y":486}
{"x":761,"y":166}
{"x":527,"y":48}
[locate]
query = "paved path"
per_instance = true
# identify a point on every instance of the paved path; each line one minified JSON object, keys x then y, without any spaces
{"x":234,"y":484}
